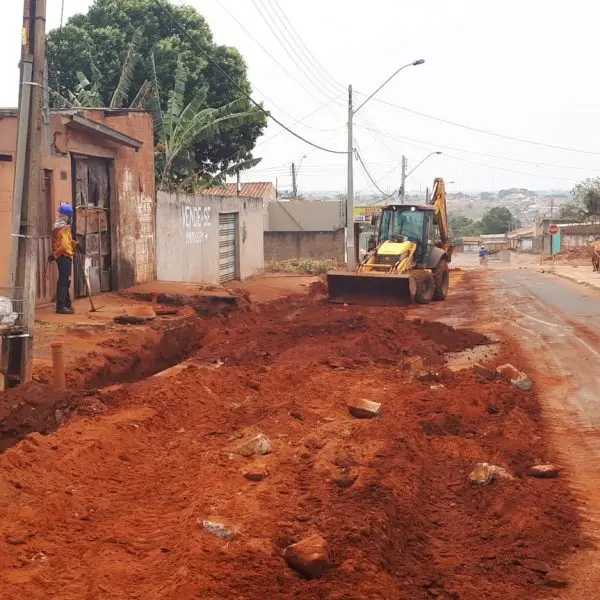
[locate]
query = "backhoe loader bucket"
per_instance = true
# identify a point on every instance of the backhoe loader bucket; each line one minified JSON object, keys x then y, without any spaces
{"x":370,"y":289}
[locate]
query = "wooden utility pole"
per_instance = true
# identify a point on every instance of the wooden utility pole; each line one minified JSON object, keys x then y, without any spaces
{"x":294,"y":182}
{"x":27,"y":184}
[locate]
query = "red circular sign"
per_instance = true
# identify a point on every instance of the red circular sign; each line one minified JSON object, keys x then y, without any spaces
{"x":553,"y":229}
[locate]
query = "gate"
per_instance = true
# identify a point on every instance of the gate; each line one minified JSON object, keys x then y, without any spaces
{"x":46,"y":274}
{"x":92,"y":192}
{"x":227,"y":247}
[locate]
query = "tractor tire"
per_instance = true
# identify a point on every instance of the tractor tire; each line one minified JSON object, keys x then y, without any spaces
{"x":424,"y":287}
{"x":441,"y":278}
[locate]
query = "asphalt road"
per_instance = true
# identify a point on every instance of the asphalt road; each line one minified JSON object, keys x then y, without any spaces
{"x":557,"y":325}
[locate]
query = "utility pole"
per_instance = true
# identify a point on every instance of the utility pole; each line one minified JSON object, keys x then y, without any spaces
{"x":350,"y":253}
{"x":27,"y":184}
{"x":294,"y":183}
{"x":403,"y":183}
{"x":350,"y":258}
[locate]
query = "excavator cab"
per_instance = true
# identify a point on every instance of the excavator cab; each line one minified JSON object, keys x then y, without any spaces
{"x":410,"y":259}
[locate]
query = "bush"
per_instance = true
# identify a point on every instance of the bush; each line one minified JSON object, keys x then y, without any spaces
{"x":308,"y":267}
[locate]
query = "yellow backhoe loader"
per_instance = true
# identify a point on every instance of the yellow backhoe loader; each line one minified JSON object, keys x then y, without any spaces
{"x":409,"y":262}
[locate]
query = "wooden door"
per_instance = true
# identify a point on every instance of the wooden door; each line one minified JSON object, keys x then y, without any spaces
{"x":92,"y":190}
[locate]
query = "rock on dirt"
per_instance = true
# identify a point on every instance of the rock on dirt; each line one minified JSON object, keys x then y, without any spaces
{"x":308,"y":556}
{"x":255,"y":472}
{"x":556,"y":579}
{"x":414,"y":364}
{"x":508,"y":372}
{"x":519,"y":379}
{"x":136,"y":315}
{"x":429,"y":376}
{"x":544,"y":471}
{"x":221,"y":530}
{"x":483,"y":371}
{"x":259,"y":444}
{"x":534,"y":565}
{"x":484,"y":474}
{"x":364,"y":409}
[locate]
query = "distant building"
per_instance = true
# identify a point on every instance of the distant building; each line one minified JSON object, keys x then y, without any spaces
{"x":521,"y":240}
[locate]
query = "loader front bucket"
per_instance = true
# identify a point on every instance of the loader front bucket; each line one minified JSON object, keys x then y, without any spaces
{"x":370,"y":289}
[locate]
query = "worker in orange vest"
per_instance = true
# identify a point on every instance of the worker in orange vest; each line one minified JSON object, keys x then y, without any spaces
{"x":63,"y":251}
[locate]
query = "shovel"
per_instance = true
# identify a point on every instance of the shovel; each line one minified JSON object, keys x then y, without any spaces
{"x":88,"y":289}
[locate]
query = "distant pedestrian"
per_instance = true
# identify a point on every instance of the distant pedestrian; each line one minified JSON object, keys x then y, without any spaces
{"x":482,"y":256}
{"x":596,"y":255}
{"x":63,"y":250}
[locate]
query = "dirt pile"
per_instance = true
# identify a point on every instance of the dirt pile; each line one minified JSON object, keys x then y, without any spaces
{"x":581,"y":254}
{"x":114,"y":506}
{"x":297,"y":332}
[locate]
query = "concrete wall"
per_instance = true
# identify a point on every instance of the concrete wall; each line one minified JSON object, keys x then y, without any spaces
{"x":187,"y":236}
{"x":318,"y":245}
{"x":304,"y":215}
{"x":132,"y":204}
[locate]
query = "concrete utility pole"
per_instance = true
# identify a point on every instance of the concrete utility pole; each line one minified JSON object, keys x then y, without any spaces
{"x":350,"y":256}
{"x":294,"y":183}
{"x":27,"y":185}
{"x":403,"y":183}
{"x":405,"y":174}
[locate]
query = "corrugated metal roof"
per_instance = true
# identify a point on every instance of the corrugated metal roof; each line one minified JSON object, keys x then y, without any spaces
{"x":264,"y":190}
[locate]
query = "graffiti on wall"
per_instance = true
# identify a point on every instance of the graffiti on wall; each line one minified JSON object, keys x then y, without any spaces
{"x":196,"y":223}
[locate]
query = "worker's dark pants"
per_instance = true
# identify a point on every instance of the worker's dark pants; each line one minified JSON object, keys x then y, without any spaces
{"x":63,"y":297}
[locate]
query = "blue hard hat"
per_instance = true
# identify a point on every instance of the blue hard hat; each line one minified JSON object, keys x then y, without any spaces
{"x":66,"y":209}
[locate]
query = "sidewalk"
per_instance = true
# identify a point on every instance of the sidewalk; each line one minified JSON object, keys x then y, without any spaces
{"x":578,"y":274}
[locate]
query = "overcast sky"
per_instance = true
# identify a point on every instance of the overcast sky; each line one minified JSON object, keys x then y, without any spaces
{"x":521,"y":68}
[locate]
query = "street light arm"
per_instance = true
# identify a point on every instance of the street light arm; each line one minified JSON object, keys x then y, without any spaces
{"x":415,"y":168}
{"x":412,"y":64}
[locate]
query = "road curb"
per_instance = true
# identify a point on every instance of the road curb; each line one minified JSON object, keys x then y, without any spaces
{"x":577,"y":281}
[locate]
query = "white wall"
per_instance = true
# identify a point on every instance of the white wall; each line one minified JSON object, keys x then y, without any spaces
{"x":305,"y":215}
{"x":187,"y":236}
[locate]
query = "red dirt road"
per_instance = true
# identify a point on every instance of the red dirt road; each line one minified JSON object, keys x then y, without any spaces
{"x":108,"y":506}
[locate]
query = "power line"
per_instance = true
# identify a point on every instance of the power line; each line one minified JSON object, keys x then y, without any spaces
{"x":366,"y":170}
{"x":312,"y":59}
{"x":529,"y":162}
{"x":296,"y":58}
{"x":365,"y":118}
{"x":484,"y":131}
{"x":207,"y":57}
{"x":277,"y":62}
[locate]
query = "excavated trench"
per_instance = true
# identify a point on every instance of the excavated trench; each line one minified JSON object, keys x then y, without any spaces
{"x":390,"y":494}
{"x":124,"y":355}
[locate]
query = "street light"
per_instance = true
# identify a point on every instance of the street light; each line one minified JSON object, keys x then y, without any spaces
{"x":404,"y":177}
{"x":350,"y":257}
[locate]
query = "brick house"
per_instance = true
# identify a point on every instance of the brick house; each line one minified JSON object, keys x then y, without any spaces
{"x":102,"y":162}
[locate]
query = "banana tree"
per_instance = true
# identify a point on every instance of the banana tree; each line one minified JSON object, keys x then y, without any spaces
{"x":182,"y":127}
{"x":87,"y":94}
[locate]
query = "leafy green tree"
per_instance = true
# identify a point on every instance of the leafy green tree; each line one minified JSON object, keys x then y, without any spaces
{"x":97,"y":44}
{"x":497,"y":220}
{"x":461,"y":227}
{"x":572,"y":210}
{"x":182,"y":126}
{"x":586,"y":200}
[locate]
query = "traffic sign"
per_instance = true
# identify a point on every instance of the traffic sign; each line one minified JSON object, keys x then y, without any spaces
{"x":553,"y":229}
